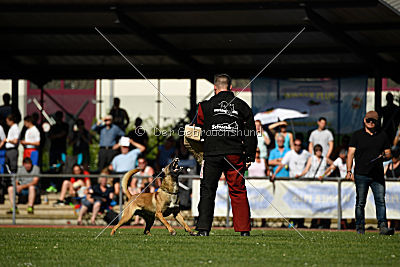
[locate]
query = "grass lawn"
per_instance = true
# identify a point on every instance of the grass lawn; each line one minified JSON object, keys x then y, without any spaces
{"x":77,"y":246}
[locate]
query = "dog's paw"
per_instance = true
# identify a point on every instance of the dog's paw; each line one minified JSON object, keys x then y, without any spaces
{"x":192,"y":233}
{"x":173,"y":232}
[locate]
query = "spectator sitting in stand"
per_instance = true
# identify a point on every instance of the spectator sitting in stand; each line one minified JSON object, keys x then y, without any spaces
{"x":288,"y":137}
{"x":97,"y":199}
{"x":276,"y":155}
{"x":316,"y":165}
{"x":26,"y":186}
{"x":120,"y":116}
{"x":125,"y":161}
{"x":138,"y":183}
{"x":75,"y":186}
{"x":31,"y":141}
{"x":109,"y":134}
{"x":392,"y":170}
{"x":339,"y":163}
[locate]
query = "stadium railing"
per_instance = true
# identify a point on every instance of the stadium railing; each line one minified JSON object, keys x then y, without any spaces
{"x":338,"y":180}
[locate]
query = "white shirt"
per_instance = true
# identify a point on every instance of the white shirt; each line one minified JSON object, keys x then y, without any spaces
{"x":32,"y":135}
{"x":314,"y":171}
{"x":322,"y":138}
{"x":296,"y":162}
{"x":257,"y":169}
{"x":2,"y":134}
{"x":338,"y":163}
{"x":13,"y":133}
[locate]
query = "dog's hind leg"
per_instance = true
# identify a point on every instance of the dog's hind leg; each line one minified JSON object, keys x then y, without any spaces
{"x":166,"y":224}
{"x":126,"y":216}
{"x":179,"y":218}
{"x":149,"y":223}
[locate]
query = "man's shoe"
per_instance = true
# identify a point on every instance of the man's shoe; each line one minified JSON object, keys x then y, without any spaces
{"x":30,"y":210}
{"x":384,"y":230}
{"x":51,"y":189}
{"x":360,"y":230}
{"x":11,"y":211}
{"x":203,"y":233}
{"x":246,"y":233}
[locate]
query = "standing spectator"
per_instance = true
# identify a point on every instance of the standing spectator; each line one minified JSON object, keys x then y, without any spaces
{"x":73,"y":185}
{"x":165,"y":153}
{"x":323,"y":137}
{"x":11,"y":144}
{"x":5,"y":110}
{"x":263,"y":141}
{"x":98,"y":199}
{"x":31,"y":141}
{"x":223,"y":118}
{"x":80,"y":141}
{"x":58,"y":135}
{"x":120,"y":116}
{"x":35,"y":117}
{"x":316,"y":164}
{"x":125,"y":161}
{"x":3,"y":182}
{"x":139,"y":135}
{"x":369,"y":147}
{"x":288,"y":137}
{"x":391,"y":117}
{"x":257,"y":168}
{"x":276,"y":155}
{"x":295,"y":159}
{"x":109,"y":134}
{"x":26,"y":186}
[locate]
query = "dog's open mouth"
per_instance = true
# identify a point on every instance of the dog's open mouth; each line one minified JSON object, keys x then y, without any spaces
{"x":174,"y":167}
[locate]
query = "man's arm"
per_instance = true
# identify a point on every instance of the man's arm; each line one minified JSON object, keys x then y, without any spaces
{"x":250,"y":142}
{"x":280,"y":167}
{"x":274,"y":162}
{"x":35,"y":181}
{"x":306,"y":169}
{"x":137,"y":145}
{"x":349,"y":163}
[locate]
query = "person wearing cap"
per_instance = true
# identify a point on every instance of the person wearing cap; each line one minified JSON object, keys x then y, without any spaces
{"x":369,"y":147}
{"x":109,"y":134}
{"x":125,"y":161}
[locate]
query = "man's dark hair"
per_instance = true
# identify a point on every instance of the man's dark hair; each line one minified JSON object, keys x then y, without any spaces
{"x":322,"y":119}
{"x":117,"y":101}
{"x":223,"y":80}
{"x":138,"y":121}
{"x":29,"y":118}
{"x":389,"y":98}
{"x":11,"y":117}
{"x":6,"y":99}
{"x":27,"y":160}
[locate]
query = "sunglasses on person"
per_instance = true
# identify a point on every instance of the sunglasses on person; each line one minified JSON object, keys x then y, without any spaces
{"x":371,"y":120}
{"x":297,"y":144}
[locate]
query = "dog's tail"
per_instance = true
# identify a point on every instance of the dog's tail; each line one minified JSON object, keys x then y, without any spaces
{"x":125,"y":181}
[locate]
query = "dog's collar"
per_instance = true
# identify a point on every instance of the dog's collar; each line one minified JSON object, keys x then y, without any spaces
{"x":171,"y":193}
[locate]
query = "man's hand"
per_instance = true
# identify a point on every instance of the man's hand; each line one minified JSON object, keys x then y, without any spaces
{"x":248,"y":164}
{"x":297,"y":176}
{"x":350,"y":176}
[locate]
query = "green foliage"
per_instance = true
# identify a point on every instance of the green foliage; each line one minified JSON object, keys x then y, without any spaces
{"x":78,"y":246}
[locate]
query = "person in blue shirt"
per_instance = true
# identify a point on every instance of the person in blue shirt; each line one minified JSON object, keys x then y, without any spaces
{"x":109,"y":134}
{"x":276,"y":155}
{"x":125,"y":161}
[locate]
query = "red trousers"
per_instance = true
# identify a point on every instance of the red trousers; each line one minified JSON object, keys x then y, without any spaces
{"x":214,"y":166}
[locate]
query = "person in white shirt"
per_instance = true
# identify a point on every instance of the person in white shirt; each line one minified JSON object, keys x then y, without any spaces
{"x":257,"y":168}
{"x":295,"y":159}
{"x":339,"y":163}
{"x":323,"y":137}
{"x":31,"y":141}
{"x":316,"y":164}
{"x":11,"y":144}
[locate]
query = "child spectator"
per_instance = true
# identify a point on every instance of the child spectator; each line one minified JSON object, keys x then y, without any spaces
{"x":31,"y":141}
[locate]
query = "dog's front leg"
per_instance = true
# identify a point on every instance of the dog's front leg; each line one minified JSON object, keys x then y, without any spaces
{"x":179,"y":218}
{"x":166,"y":224}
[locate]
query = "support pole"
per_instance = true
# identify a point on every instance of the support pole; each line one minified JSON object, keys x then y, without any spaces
{"x":339,"y":205}
{"x":14,"y":181}
{"x":378,"y":93}
{"x":193,"y":98}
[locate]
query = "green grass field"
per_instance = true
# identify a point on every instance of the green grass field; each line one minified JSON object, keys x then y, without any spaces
{"x":77,"y":246}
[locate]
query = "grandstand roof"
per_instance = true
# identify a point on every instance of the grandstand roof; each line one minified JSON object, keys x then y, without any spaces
{"x":179,"y":39}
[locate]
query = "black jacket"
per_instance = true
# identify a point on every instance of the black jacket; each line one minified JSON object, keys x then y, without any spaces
{"x":227,"y":126}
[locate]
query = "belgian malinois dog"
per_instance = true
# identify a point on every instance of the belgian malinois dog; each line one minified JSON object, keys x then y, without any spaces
{"x":159,"y":204}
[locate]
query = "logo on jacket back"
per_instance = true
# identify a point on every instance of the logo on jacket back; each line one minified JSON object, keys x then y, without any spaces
{"x":226,"y":109}
{"x":228,"y":127}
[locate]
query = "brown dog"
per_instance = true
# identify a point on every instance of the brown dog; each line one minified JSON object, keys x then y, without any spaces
{"x":160,"y":204}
